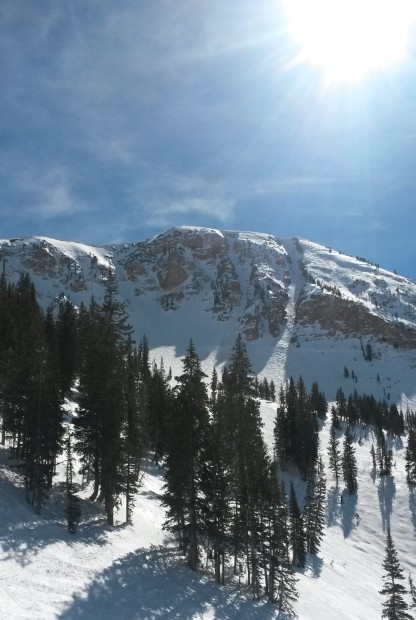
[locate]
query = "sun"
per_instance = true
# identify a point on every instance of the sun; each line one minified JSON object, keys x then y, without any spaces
{"x":349,"y":38}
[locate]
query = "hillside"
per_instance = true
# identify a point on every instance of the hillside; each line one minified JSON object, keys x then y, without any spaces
{"x":301,"y":307}
{"x":134,"y":573}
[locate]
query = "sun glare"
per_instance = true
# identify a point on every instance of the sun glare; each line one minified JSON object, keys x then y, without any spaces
{"x":349,"y":38}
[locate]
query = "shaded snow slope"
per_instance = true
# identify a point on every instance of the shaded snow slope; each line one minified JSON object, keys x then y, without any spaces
{"x":134,"y":573}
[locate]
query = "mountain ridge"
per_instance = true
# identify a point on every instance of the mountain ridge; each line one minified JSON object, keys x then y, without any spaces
{"x":291,"y":299}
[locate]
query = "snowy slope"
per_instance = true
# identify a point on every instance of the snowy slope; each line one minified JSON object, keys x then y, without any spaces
{"x":303,"y":308}
{"x":133,"y":572}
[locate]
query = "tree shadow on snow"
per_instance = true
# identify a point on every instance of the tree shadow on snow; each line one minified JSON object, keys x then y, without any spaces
{"x":333,"y":506}
{"x":23,"y":533}
{"x":314,"y":565}
{"x":386,"y":491}
{"x":154,"y":584}
{"x":348,"y":511}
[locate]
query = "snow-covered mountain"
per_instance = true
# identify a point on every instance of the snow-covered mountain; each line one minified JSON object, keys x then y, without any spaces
{"x":302,"y":307}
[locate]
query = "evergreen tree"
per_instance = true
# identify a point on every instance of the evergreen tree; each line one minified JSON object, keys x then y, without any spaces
{"x":133,"y":431}
{"x":341,"y":404}
{"x":334,"y":453}
{"x":318,"y":401}
{"x":395,"y":607}
{"x":412,"y":591}
{"x":384,"y":456}
{"x":296,"y":427}
{"x":102,"y":409}
{"x":32,"y":412}
{"x":67,"y":344}
{"x":297,"y":534}
{"x":187,"y":458}
{"x":314,"y":512}
{"x":411,"y":456}
{"x":73,"y":508}
{"x":373,"y":457}
{"x":218,"y":483}
{"x":349,"y":463}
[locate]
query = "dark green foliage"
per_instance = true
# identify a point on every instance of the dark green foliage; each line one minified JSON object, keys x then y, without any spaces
{"x":395,"y":606}
{"x":368,"y":355}
{"x":314,"y":512}
{"x":73,"y":508}
{"x":187,"y":458}
{"x":349,"y":463}
{"x":29,"y":388}
{"x":411,"y":454}
{"x":334,"y":454}
{"x":67,"y":344}
{"x":412,"y":592}
{"x":366,"y":409}
{"x":296,"y":425}
{"x":384,"y":455}
{"x":102,"y":402}
{"x":318,"y":401}
{"x":297,"y":534}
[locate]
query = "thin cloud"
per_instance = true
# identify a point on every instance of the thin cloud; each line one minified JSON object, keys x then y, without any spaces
{"x":49,"y":194}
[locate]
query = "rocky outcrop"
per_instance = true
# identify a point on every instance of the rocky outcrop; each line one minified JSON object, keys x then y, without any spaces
{"x":247,"y":279}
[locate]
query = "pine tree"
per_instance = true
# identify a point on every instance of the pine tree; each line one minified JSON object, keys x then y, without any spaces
{"x":32,"y":412}
{"x":395,"y":607}
{"x":218,"y":483}
{"x":133,"y":431}
{"x":412,"y":591}
{"x":297,"y":534}
{"x":341,"y":404}
{"x":384,"y":456}
{"x":318,"y":401}
{"x":411,"y":455}
{"x":67,"y":344}
{"x":349,"y":464}
{"x":102,"y":410}
{"x":187,"y":458}
{"x":334,"y":453}
{"x":73,"y":508}
{"x":373,"y":457}
{"x":281,"y":583}
{"x":314,"y":512}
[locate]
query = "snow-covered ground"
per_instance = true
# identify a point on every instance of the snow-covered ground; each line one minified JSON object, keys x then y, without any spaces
{"x":134,"y":572}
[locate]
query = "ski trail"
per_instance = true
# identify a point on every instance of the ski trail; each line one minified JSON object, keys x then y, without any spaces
{"x":278,"y":359}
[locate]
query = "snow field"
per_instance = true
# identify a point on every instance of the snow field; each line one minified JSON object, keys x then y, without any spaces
{"x":134,"y":572}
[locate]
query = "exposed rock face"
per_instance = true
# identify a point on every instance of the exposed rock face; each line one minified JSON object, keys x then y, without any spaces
{"x":354,"y":320}
{"x":256,"y":282}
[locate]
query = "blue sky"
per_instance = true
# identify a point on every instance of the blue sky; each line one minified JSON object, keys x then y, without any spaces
{"x":121,"y":119}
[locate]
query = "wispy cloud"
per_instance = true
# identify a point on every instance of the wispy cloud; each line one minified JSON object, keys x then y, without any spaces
{"x":49,"y":193}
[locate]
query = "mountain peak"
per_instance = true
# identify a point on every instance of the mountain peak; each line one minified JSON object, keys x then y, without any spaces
{"x":290,"y":299}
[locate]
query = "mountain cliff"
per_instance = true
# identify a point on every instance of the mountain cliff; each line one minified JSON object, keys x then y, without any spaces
{"x":302,"y":307}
